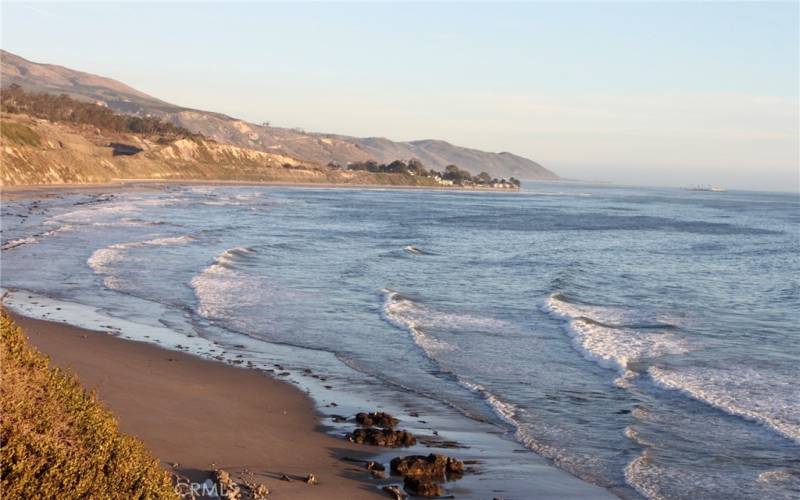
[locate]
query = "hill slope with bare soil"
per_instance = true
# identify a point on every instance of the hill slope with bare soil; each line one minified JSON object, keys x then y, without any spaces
{"x":310,"y":147}
{"x":37,"y":151}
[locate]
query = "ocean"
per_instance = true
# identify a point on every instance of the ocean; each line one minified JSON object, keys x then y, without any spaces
{"x":644,"y":340}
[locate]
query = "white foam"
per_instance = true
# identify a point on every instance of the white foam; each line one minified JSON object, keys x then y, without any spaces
{"x":35,"y":238}
{"x":602,"y":335}
{"x":102,"y":259}
{"x":580,"y":465}
{"x":781,"y":476}
{"x":219,"y":287}
{"x":90,"y":213}
{"x":407,"y":315}
{"x":770,"y":398}
{"x":504,"y":410}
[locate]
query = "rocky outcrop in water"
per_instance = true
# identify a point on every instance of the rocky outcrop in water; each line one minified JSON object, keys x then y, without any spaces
{"x":396,"y":492}
{"x":376,"y":419}
{"x":382,"y":437}
{"x":432,"y":466}
{"x":420,"y":487}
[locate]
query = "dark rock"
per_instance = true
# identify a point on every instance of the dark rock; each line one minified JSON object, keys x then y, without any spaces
{"x":432,"y":466}
{"x":382,"y":437}
{"x":422,"y":487}
{"x":376,"y":419}
{"x":370,"y":465}
{"x":338,"y":418}
{"x":396,"y":492}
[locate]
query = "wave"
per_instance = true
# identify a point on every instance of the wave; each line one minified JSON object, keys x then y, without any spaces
{"x":232,"y":257}
{"x":94,"y":211}
{"x":129,"y":222}
{"x":406,"y":314}
{"x":659,"y":479}
{"x":771,"y":399}
{"x":218,"y":287}
{"x":506,"y":411}
{"x":515,"y":417}
{"x":413,"y":249}
{"x":102,"y":259}
{"x":615,"y":338}
{"x":419,"y":320}
{"x":27,"y":240}
{"x":624,"y":340}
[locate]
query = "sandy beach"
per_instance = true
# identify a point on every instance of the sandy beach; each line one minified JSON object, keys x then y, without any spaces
{"x":204,"y":415}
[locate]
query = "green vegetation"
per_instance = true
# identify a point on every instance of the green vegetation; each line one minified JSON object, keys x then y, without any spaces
{"x":451,"y":175}
{"x":62,"y":108}
{"x":57,"y":441}
{"x":20,"y":134}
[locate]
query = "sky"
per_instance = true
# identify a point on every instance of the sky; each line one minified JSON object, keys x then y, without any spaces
{"x":676,"y":94}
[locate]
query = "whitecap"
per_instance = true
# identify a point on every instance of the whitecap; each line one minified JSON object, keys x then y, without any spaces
{"x":615,"y":338}
{"x":102,"y":259}
{"x":27,"y":240}
{"x":406,"y":314}
{"x":769,"y":397}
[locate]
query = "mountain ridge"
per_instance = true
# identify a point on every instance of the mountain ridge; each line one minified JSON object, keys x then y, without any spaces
{"x":321,"y":148}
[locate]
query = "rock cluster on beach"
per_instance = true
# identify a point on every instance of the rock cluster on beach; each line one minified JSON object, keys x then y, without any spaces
{"x":432,"y":466}
{"x":382,"y":437}
{"x":422,"y":474}
{"x":422,"y":487}
{"x":378,"y":430}
{"x":377,"y":419}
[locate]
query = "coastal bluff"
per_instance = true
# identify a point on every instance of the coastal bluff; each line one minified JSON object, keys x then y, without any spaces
{"x":37,"y":151}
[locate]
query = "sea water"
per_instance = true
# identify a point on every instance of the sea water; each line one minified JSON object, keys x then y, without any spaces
{"x":643,"y":340}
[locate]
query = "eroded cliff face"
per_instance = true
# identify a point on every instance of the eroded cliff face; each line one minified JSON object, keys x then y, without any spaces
{"x":35,"y":151}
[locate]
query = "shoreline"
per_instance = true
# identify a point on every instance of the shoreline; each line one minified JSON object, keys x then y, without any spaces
{"x":198,"y":394}
{"x":24,"y":191}
{"x":202,"y":415}
{"x":478,"y":441}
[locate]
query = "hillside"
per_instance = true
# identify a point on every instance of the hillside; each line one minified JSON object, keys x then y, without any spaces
{"x":311,"y":147}
{"x":37,"y":151}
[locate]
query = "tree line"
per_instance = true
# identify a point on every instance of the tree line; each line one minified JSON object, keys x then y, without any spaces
{"x":452,"y":173}
{"x":63,"y":108}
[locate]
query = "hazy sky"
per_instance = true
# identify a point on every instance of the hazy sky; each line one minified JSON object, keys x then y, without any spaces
{"x":644,"y":93}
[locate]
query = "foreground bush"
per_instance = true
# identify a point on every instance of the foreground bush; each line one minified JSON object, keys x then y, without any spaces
{"x":57,"y":441}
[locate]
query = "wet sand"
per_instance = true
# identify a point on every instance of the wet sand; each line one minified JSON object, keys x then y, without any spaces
{"x":204,"y":415}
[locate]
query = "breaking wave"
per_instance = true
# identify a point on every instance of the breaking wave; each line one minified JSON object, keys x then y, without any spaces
{"x":770,"y":398}
{"x":101,"y":260}
{"x":221,"y":288}
{"x":615,"y":338}
{"x":625,"y":341}
{"x":413,"y":249}
{"x":406,"y":314}
{"x":35,"y":237}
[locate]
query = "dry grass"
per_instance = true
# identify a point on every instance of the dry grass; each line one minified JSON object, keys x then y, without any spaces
{"x":58,"y":441}
{"x":20,"y":134}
